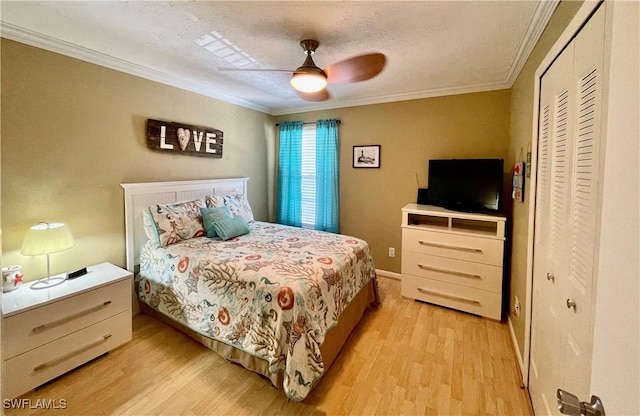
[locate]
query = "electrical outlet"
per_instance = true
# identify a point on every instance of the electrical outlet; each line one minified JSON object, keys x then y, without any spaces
{"x":392,"y":252}
{"x":516,"y":306}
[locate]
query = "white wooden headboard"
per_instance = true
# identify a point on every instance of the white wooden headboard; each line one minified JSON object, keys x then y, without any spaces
{"x":138,"y":196}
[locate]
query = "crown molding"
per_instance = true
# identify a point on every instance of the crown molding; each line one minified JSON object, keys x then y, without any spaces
{"x":541,"y":16}
{"x":62,"y":47}
{"x":415,"y":95}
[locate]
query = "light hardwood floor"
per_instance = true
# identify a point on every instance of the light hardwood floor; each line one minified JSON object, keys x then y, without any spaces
{"x":405,"y":357}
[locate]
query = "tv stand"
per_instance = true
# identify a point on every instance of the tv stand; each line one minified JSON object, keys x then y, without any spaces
{"x":453,"y":259}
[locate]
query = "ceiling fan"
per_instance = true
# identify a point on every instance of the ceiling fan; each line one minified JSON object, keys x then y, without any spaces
{"x":310,"y":82}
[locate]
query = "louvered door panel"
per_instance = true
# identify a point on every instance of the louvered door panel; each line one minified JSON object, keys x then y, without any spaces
{"x":560,"y":177}
{"x":588,"y":64}
{"x":561,"y":173}
{"x":539,"y":350}
{"x":551,"y":231}
{"x":552,"y":210}
{"x":585,"y":182}
{"x":544,"y":162}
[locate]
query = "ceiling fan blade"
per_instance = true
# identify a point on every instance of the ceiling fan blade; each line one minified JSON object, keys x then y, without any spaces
{"x":321,"y":95}
{"x":358,"y":68}
{"x":225,"y":69}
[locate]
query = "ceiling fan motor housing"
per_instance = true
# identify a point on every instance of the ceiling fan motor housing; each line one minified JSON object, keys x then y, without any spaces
{"x":309,"y":67}
{"x":309,"y":46}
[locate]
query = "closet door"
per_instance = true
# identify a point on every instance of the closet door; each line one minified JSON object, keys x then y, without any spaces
{"x":585,"y":199}
{"x":566,"y":220}
{"x":551,"y":247}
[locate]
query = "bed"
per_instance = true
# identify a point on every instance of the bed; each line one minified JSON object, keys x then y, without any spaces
{"x":281,"y":301}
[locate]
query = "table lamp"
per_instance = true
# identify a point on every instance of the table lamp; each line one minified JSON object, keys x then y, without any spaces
{"x":47,"y":238}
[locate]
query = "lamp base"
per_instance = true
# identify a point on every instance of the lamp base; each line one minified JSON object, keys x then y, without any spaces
{"x":48,"y":282}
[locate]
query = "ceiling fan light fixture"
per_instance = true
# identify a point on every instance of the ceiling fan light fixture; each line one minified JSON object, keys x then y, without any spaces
{"x":308,"y":81}
{"x":308,"y":77}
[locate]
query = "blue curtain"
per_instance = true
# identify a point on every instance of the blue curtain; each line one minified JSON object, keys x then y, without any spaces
{"x":289,"y":197}
{"x":327,"y":176}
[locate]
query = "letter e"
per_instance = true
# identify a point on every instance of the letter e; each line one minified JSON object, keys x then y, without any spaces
{"x":210,"y":141}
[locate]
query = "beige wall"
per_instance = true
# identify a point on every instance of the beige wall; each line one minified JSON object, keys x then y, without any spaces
{"x":521,"y":128}
{"x":73,"y":131}
{"x":409,"y":133}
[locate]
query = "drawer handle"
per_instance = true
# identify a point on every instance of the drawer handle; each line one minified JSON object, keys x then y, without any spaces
{"x":70,"y":354}
{"x":452,"y":272}
{"x":71,"y":317}
{"x":447,"y":296}
{"x":447,"y":246}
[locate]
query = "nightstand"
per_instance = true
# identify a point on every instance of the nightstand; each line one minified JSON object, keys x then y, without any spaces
{"x":47,"y":332}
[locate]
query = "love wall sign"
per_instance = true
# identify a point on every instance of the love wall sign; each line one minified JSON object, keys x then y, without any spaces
{"x":184,"y":138}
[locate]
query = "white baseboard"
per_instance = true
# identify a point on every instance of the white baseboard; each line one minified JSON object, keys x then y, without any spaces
{"x":390,"y":275}
{"x":514,"y":340}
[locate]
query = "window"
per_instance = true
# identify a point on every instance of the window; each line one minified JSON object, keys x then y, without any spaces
{"x":308,"y":176}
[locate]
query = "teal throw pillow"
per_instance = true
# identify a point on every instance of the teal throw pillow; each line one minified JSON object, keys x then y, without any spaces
{"x":212,"y":215}
{"x":231,"y":227}
{"x":149,"y":225}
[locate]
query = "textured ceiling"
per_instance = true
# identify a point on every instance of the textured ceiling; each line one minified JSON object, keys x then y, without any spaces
{"x":432,"y":47}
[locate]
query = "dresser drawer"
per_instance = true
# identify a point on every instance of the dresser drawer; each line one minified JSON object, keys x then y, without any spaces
{"x":462,"y":247}
{"x":464,"y":273}
{"x":463,"y":298}
{"x":35,"y":367}
{"x":41,"y":325}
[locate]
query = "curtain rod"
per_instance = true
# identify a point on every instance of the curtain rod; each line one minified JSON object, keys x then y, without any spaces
{"x":309,"y":122}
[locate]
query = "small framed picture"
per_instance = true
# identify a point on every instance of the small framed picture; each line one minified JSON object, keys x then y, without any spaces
{"x":366,"y":156}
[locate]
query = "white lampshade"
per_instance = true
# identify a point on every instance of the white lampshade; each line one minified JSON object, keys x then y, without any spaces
{"x":47,"y":238}
{"x":308,"y":81}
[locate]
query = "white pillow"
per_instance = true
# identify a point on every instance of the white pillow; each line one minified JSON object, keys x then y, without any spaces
{"x":179,"y":221}
{"x":238,"y":205}
{"x":214,"y":201}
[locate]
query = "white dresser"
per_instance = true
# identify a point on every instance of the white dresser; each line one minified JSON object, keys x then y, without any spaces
{"x":453,"y":259}
{"x":47,"y":332}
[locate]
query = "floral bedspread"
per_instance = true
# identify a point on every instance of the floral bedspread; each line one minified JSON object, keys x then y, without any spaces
{"x":273,"y":293}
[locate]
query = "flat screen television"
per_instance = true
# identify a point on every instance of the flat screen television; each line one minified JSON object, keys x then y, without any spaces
{"x":470,"y":185}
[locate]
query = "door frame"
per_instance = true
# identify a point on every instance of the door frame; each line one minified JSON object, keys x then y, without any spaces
{"x":574,"y":26}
